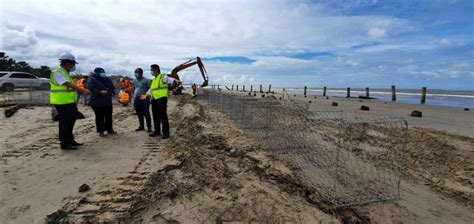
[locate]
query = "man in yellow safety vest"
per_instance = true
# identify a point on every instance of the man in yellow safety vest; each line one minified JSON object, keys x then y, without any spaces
{"x":159,"y":100}
{"x":63,"y":97}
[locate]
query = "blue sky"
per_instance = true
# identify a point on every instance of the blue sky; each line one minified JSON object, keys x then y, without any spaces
{"x":286,"y":43}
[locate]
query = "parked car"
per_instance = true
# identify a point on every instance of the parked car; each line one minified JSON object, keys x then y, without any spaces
{"x":12,"y":80}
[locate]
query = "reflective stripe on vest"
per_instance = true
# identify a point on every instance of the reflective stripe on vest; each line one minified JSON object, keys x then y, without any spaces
{"x":158,"y":88}
{"x":61,"y":94}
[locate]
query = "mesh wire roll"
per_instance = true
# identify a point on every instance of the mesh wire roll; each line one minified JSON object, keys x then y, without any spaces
{"x":346,"y":158}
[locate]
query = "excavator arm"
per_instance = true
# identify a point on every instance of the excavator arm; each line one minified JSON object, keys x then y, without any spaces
{"x":185,"y":65}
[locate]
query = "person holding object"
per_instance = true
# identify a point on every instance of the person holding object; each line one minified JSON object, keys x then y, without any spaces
{"x":64,"y":98}
{"x":82,"y":83}
{"x":159,"y":100}
{"x":124,"y":98}
{"x":102,"y":90}
{"x":142,"y":106}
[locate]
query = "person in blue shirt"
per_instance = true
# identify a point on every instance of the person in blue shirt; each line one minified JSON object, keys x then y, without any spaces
{"x":142,"y":106}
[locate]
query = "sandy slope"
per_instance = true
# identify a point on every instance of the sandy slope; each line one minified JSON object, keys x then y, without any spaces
{"x":208,"y":171}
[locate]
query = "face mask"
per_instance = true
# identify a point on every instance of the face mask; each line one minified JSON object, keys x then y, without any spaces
{"x":102,"y":74}
{"x":73,"y":69}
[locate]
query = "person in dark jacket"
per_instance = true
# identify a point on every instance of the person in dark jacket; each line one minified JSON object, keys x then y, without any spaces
{"x":102,"y":89}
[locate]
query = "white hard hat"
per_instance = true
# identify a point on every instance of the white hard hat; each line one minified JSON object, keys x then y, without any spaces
{"x":68,"y":57}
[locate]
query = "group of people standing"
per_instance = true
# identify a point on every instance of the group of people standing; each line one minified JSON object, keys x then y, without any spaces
{"x":98,"y":91}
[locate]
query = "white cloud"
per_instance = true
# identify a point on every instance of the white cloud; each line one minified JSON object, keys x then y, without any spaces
{"x":445,"y":42}
{"x":377,"y":33}
{"x":120,"y":35}
{"x":14,"y":39}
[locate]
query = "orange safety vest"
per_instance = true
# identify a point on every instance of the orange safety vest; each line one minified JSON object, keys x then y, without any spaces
{"x":124,"y":98}
{"x":127,"y":86}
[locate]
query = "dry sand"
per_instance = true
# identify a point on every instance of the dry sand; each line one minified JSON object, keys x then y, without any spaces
{"x":210,"y":171}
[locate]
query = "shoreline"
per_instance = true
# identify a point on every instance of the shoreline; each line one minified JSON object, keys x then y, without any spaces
{"x":459,"y":98}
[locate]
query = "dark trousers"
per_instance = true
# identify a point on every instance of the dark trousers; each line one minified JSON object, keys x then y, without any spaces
{"x":103,"y":118}
{"x":160,"y":116}
{"x":67,"y":118}
{"x":142,"y":107}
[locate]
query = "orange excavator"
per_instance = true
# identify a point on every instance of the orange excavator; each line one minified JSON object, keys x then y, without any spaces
{"x":185,"y":65}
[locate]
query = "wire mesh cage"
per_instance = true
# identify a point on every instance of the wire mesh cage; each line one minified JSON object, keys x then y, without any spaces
{"x":346,"y":157}
{"x":30,"y":94}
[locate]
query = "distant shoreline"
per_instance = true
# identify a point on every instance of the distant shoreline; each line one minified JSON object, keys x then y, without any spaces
{"x":449,"y":98}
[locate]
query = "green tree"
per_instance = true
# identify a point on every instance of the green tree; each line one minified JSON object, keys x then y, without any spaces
{"x":8,"y":64}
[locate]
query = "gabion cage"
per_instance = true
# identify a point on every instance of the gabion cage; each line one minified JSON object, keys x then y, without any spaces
{"x":345,"y":157}
{"x":28,"y":95}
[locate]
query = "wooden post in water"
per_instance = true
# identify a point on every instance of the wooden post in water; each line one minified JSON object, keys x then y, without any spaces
{"x":261,"y":89}
{"x":237,"y":88}
{"x":348,"y":92}
{"x":324,"y":91}
{"x":304,"y":93}
{"x":232,"y":89}
{"x":251,"y":88}
{"x":269,"y":88}
{"x":423,"y":95}
{"x":243,"y":88}
{"x":394,"y":94}
{"x":367,"y":96}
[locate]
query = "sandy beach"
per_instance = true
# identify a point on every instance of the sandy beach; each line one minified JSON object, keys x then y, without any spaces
{"x":211,"y":172}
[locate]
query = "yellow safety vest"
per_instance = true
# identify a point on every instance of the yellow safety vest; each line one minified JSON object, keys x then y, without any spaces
{"x":61,"y":94}
{"x":159,"y":89}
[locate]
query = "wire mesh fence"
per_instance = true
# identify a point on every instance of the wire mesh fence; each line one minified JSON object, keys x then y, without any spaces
{"x":29,"y":94}
{"x":347,"y":158}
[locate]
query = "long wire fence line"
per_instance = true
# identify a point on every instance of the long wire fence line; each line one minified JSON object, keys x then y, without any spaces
{"x":27,"y":95}
{"x":345,"y":157}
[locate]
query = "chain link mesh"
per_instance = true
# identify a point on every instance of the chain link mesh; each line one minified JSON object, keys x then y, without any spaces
{"x":345,"y":157}
{"x":27,"y":95}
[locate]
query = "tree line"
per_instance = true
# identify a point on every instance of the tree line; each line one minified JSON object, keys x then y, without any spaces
{"x":9,"y":64}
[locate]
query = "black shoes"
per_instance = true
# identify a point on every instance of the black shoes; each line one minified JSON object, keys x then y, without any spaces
{"x":72,"y":146}
{"x":68,"y":147}
{"x":154,"y":134}
{"x":140,"y":129}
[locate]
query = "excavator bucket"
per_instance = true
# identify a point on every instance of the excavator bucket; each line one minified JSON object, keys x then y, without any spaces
{"x":205,"y":83}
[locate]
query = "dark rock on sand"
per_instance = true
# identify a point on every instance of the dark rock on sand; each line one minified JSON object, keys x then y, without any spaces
{"x":363,"y":107}
{"x":466,"y":109}
{"x":416,"y":113}
{"x":334,"y":104}
{"x":84,"y":188}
